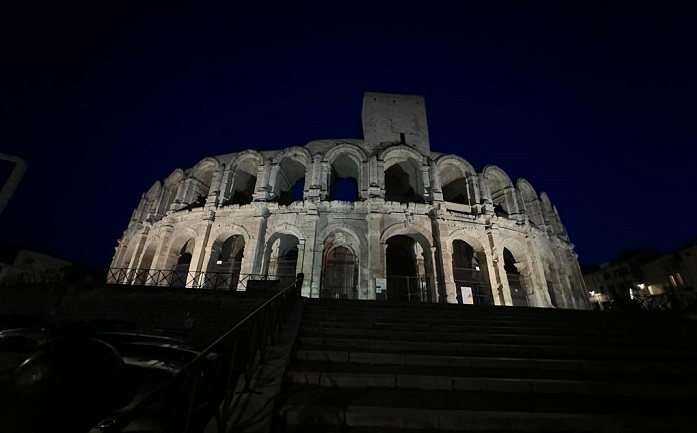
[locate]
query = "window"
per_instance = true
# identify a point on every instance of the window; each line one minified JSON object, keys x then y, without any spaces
{"x":672,"y":281}
{"x":680,"y":280}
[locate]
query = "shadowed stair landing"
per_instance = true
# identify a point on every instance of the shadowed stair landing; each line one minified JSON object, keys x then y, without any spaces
{"x":367,"y":366}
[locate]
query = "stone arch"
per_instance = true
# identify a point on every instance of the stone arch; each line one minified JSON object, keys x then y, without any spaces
{"x":479,"y":280}
{"x":225,"y":261}
{"x":340,"y":264}
{"x":518,"y":271}
{"x":403,"y":178}
{"x":290,"y":171}
{"x":501,"y":189}
{"x":531,"y":203}
{"x":339,"y":235}
{"x":241,"y":181}
{"x":204,"y":171}
{"x":548,"y":214}
{"x":346,"y":171}
{"x":145,"y":275}
{"x":453,"y":172}
{"x":169,"y":191}
{"x":199,"y":183}
{"x":179,"y":238}
{"x":276,"y":258}
{"x":413,"y":282}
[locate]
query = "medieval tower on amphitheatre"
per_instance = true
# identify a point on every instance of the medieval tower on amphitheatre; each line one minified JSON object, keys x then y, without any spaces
{"x":415,"y":225}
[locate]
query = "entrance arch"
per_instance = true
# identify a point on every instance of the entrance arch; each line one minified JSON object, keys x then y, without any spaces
{"x":339,"y":275}
{"x":225,"y":264}
{"x":516,"y":281}
{"x":470,"y":275}
{"x":406,"y":270}
{"x":282,"y":255}
{"x":181,"y":267}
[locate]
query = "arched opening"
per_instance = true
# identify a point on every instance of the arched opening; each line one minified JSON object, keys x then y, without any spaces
{"x":181,"y":267}
{"x":406,"y":280}
{"x":145,"y":275}
{"x":470,"y":275}
{"x":169,"y":192}
{"x":531,"y":203}
{"x":344,"y":180}
{"x":282,"y":256}
{"x":403,"y":183}
{"x":244,"y":180}
{"x":290,"y":181}
{"x":340,"y":274}
{"x":200,"y":184}
{"x":515,"y":280}
{"x":453,"y":184}
{"x":224,"y":268}
{"x":500,"y":186}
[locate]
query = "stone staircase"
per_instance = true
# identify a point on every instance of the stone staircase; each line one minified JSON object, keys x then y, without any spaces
{"x":373,"y":366}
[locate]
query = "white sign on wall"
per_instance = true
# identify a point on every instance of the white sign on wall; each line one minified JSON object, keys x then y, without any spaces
{"x":380,"y":285}
{"x":466,"y":295}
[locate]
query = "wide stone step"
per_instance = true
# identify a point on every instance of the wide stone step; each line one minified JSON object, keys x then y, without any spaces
{"x":493,"y":349}
{"x":501,"y":337}
{"x":586,"y":327}
{"x":660,"y":368}
{"x":647,"y":372}
{"x":477,"y":411}
{"x":404,"y":378}
{"x":470,"y":326}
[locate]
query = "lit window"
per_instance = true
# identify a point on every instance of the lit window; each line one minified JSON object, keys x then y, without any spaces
{"x":672,"y":281}
{"x":680,"y":280}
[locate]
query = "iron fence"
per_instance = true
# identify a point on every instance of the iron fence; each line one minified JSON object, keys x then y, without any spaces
{"x":206,"y":391}
{"x":192,"y":279}
{"x":409,"y":289}
{"x":474,"y":280}
{"x":518,"y":295}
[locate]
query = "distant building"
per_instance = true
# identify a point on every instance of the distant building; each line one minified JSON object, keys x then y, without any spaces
{"x":25,"y":266}
{"x":620,"y":279}
{"x":642,"y":273}
{"x":672,"y":271}
{"x":418,"y":225}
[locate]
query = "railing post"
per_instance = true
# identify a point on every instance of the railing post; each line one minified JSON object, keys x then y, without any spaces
{"x":299,"y":284}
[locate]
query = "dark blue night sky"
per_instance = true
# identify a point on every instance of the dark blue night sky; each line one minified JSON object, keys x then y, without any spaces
{"x":594,"y":103}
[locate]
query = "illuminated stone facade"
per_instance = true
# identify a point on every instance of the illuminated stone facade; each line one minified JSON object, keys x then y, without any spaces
{"x":416,"y":225}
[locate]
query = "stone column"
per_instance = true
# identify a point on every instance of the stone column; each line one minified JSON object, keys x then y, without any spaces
{"x":262,"y":187}
{"x":325,"y":174}
{"x":497,"y":273}
{"x":162,"y":252}
{"x":311,"y":282}
{"x":375,"y":253}
{"x":473,"y":195}
{"x":448,"y":275}
{"x":486,"y":200}
{"x":274,"y":188}
{"x":425,"y":176}
{"x":511,"y":202}
{"x":226,"y":184}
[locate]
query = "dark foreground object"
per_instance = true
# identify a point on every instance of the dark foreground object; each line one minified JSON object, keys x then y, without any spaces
{"x":67,"y":386}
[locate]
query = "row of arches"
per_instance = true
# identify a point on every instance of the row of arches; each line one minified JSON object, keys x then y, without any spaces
{"x":346,"y":173}
{"x":409,"y":268}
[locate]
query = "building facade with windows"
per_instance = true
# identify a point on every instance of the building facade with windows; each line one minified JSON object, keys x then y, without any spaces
{"x":382,"y":217}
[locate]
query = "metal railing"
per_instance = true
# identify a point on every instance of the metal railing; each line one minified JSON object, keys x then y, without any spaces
{"x":473,"y":279}
{"x":205,"y":389}
{"x":406,"y":288}
{"x":196,"y":280}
